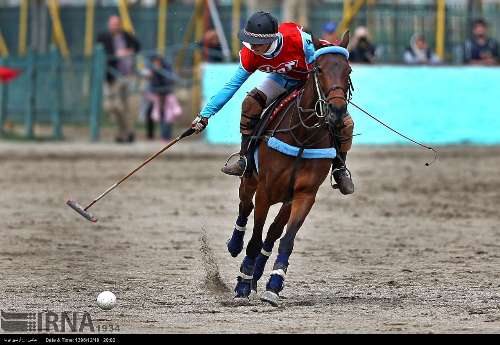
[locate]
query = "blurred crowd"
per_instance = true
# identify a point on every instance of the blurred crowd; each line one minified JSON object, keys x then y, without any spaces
{"x":479,"y":49}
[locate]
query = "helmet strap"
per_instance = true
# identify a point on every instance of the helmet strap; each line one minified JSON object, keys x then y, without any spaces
{"x":272,"y":48}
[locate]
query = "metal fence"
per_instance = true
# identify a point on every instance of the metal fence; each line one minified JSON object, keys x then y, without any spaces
{"x":145,"y":20}
{"x":391,"y":24}
{"x":53,"y":90}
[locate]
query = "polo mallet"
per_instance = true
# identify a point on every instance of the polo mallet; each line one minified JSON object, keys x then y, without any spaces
{"x":83,"y":211}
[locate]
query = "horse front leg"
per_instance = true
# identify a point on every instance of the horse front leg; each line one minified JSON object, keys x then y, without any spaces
{"x":248,"y":186}
{"x":245,"y":279}
{"x":301,"y":205}
{"x":274,"y":233}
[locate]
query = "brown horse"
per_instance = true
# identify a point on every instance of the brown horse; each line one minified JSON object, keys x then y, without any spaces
{"x":308,"y":123}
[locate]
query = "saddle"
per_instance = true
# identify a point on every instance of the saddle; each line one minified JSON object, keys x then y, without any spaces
{"x":274,"y":109}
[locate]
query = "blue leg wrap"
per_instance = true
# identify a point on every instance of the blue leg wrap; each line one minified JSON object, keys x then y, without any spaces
{"x":235,"y":244}
{"x":243,"y":288}
{"x":247,"y":266}
{"x":281,"y":262}
{"x":244,"y":285}
{"x":268,"y":247}
{"x":241,"y":221}
{"x":276,"y":281}
{"x":260,"y":262}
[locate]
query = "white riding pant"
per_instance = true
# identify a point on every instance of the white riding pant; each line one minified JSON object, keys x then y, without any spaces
{"x":275,"y":85}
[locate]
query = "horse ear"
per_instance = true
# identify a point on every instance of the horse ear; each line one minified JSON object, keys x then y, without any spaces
{"x":317,"y":43}
{"x":344,"y":42}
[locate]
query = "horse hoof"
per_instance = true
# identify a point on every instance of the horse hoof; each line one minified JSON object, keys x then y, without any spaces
{"x":270,"y":297}
{"x":239,"y":298}
{"x":240,"y":301}
{"x":253,"y":295}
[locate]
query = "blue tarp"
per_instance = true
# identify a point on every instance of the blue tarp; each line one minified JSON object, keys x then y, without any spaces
{"x":436,"y":105}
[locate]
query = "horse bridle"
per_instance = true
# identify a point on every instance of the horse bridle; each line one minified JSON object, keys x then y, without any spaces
{"x":321,"y":108}
{"x":347,"y":94}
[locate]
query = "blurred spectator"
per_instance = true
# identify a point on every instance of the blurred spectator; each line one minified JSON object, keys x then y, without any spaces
{"x":213,"y":47}
{"x":362,"y":50}
{"x":121,"y":48}
{"x":162,"y":105}
{"x":330,"y":32}
{"x":419,"y":52}
{"x":481,"y":50}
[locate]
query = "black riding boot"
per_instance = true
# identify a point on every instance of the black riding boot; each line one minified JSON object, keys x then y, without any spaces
{"x":239,"y":167}
{"x":342,"y":175}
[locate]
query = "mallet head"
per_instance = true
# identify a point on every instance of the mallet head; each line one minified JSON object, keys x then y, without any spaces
{"x":78,"y":208}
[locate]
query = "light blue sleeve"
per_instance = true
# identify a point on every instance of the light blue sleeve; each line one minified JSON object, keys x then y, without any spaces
{"x":308,"y":47}
{"x":224,"y":95}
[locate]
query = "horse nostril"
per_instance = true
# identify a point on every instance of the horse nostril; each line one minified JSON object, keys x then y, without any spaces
{"x":338,"y":107}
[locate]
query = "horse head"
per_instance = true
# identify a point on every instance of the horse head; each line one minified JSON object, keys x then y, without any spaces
{"x":332,"y":72}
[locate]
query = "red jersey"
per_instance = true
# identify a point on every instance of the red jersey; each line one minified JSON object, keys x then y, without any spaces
{"x":290,"y":60}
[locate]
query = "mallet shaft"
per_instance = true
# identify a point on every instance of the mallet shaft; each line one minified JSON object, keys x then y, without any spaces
{"x":183,"y":135}
{"x":101,"y":196}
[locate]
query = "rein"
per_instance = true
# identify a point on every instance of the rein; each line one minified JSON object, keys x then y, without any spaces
{"x":436,"y":155}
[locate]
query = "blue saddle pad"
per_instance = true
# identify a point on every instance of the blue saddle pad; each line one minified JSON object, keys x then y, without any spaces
{"x":289,"y":150}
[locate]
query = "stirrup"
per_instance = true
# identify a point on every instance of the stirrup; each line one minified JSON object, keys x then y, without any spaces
{"x":244,"y":157}
{"x":333,"y":183}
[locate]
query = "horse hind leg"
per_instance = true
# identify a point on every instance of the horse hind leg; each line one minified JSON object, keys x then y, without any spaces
{"x":301,"y":206}
{"x":246,"y":193}
{"x":274,"y":233}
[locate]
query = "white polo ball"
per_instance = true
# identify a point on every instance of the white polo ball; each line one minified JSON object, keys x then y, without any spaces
{"x":106,"y":300}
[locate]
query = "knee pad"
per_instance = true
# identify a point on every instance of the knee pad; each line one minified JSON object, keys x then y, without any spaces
{"x":251,"y":109}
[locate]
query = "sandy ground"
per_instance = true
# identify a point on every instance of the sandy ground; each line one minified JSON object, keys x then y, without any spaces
{"x":415,"y":250}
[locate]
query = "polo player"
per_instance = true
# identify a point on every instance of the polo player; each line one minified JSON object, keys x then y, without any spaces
{"x":286,"y":52}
